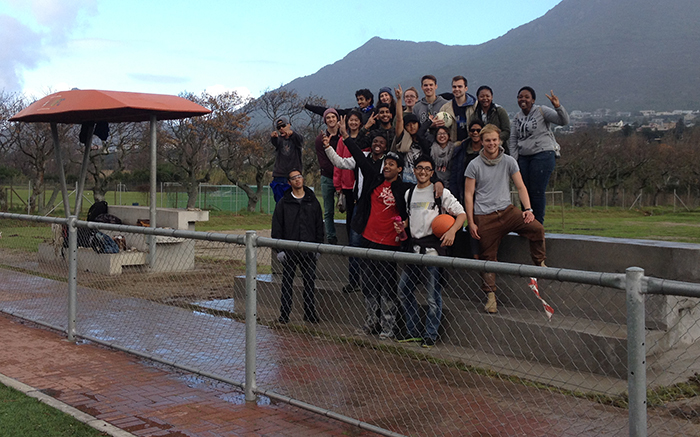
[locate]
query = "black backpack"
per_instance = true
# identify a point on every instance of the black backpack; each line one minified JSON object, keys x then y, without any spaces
{"x":98,"y":208}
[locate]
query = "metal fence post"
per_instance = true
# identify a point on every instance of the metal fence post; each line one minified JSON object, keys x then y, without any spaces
{"x":72,"y":276}
{"x":636,"y":353}
{"x":251,"y":272}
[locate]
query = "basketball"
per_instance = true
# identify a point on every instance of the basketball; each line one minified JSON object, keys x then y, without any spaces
{"x":442,"y":224}
{"x":446,"y":117}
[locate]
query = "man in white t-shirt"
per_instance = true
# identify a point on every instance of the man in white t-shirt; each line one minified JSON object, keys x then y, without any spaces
{"x":490,"y":214}
{"x":422,"y":207}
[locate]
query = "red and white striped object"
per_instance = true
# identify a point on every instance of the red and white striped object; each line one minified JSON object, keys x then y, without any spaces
{"x":547,"y":309}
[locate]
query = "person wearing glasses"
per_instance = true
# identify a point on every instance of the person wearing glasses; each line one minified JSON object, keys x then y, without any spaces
{"x":298,"y":217}
{"x":465,"y":246}
{"x":421,"y":209}
{"x":288,"y":146}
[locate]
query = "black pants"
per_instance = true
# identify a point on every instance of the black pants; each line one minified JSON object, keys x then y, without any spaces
{"x":307,"y":264}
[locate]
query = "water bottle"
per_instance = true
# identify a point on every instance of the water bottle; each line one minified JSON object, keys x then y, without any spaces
{"x":402,"y":236}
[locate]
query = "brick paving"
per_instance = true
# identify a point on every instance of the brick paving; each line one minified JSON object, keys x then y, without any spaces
{"x":410,"y":396}
{"x":143,"y":398}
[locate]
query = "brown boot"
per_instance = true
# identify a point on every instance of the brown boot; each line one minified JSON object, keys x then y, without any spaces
{"x":491,"y":306}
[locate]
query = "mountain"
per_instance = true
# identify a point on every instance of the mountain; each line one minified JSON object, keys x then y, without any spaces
{"x":625,"y":55}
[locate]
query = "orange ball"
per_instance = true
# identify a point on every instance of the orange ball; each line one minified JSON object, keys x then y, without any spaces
{"x":442,"y":224}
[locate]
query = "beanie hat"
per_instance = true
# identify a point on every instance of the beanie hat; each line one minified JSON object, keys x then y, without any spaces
{"x":330,"y":111}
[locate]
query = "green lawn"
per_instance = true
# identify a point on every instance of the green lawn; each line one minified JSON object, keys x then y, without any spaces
{"x":21,"y":415}
{"x":649,"y":223}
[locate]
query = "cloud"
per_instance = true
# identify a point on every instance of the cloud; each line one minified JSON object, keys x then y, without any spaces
{"x":21,"y":48}
{"x":46,"y":27}
{"x":158,"y":78}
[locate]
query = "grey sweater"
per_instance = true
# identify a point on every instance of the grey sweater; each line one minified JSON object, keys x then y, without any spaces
{"x":531,"y":134}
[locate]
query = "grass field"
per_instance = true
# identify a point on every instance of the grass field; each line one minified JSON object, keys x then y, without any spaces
{"x":21,"y":415}
{"x":647,"y":224}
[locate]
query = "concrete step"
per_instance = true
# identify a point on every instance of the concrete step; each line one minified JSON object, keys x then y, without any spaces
{"x":566,"y":342}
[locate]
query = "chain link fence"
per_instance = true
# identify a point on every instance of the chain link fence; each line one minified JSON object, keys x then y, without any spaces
{"x":211,"y":304}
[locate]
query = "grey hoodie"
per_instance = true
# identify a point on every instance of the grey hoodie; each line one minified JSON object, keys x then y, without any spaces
{"x":423,"y":108}
{"x":530,"y":134}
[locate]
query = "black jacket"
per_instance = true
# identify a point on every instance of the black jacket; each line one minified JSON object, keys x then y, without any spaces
{"x":298,"y":220}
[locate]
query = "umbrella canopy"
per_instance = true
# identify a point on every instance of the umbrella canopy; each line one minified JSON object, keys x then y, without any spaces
{"x":81,"y":106}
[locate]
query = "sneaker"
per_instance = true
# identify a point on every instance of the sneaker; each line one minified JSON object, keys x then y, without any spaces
{"x":428,"y":343}
{"x":542,"y":264}
{"x":283,"y":320}
{"x":350,"y":288}
{"x":491,"y":306}
{"x":386,"y":336}
{"x":333,"y":240}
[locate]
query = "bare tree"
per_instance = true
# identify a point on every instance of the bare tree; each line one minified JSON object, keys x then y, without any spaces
{"x":109,"y":158}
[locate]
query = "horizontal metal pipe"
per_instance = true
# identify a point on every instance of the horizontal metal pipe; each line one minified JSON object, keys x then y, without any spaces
{"x":671,"y":288}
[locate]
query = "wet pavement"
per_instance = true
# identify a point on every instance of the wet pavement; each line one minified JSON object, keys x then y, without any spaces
{"x":403,"y":390}
{"x":145,"y":398}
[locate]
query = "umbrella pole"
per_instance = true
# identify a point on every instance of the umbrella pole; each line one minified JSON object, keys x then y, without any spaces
{"x":152,"y":207}
{"x":61,"y":171}
{"x":83,"y":171}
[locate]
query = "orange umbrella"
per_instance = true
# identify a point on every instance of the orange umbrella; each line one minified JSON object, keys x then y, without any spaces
{"x":89,"y":106}
{"x":82,"y":106}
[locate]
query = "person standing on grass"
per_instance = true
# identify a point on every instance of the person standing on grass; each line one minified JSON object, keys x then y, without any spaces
{"x":421,"y":208}
{"x":490,"y":213}
{"x":288,"y":146}
{"x":298,"y":217}
{"x":330,"y":117}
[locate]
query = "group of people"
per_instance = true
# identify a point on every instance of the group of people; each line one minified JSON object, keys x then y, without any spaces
{"x":401,"y":163}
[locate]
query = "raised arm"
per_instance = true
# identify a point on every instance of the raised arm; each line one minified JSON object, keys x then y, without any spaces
{"x":337,"y":160}
{"x":399,"y":110}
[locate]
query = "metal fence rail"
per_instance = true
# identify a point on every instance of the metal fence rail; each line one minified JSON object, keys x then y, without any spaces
{"x":211,"y":306}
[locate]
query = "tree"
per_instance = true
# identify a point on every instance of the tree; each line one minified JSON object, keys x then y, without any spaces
{"x":110,"y":158}
{"x":188,"y":146}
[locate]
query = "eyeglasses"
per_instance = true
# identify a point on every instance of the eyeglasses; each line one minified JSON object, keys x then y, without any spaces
{"x":475,"y":130}
{"x":425,"y":169}
{"x":295,"y":177}
{"x":281,"y":126}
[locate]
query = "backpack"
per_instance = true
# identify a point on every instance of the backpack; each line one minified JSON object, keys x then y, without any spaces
{"x":429,"y":241}
{"x":97,"y":209}
{"x":103,"y":243}
{"x":108,"y":218}
{"x":84,"y":236}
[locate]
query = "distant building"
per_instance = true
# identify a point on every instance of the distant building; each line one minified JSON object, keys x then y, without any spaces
{"x":615,"y":126}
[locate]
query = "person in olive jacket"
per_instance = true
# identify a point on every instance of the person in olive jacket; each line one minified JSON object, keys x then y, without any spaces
{"x":298,"y":217}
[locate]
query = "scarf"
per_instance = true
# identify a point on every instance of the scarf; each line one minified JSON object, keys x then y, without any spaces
{"x":495,"y":160}
{"x":442,"y":156}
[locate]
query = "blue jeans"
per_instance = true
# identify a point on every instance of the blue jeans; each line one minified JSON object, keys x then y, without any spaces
{"x":536,"y":170}
{"x":279,"y":185}
{"x":407,"y":285}
{"x":328,"y":193}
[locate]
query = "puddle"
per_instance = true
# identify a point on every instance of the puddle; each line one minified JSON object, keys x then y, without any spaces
{"x":217,"y":304}
{"x":239,"y":399}
{"x":264,"y":277}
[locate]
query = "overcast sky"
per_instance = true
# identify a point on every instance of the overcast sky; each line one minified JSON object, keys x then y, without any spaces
{"x":171,"y":46}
